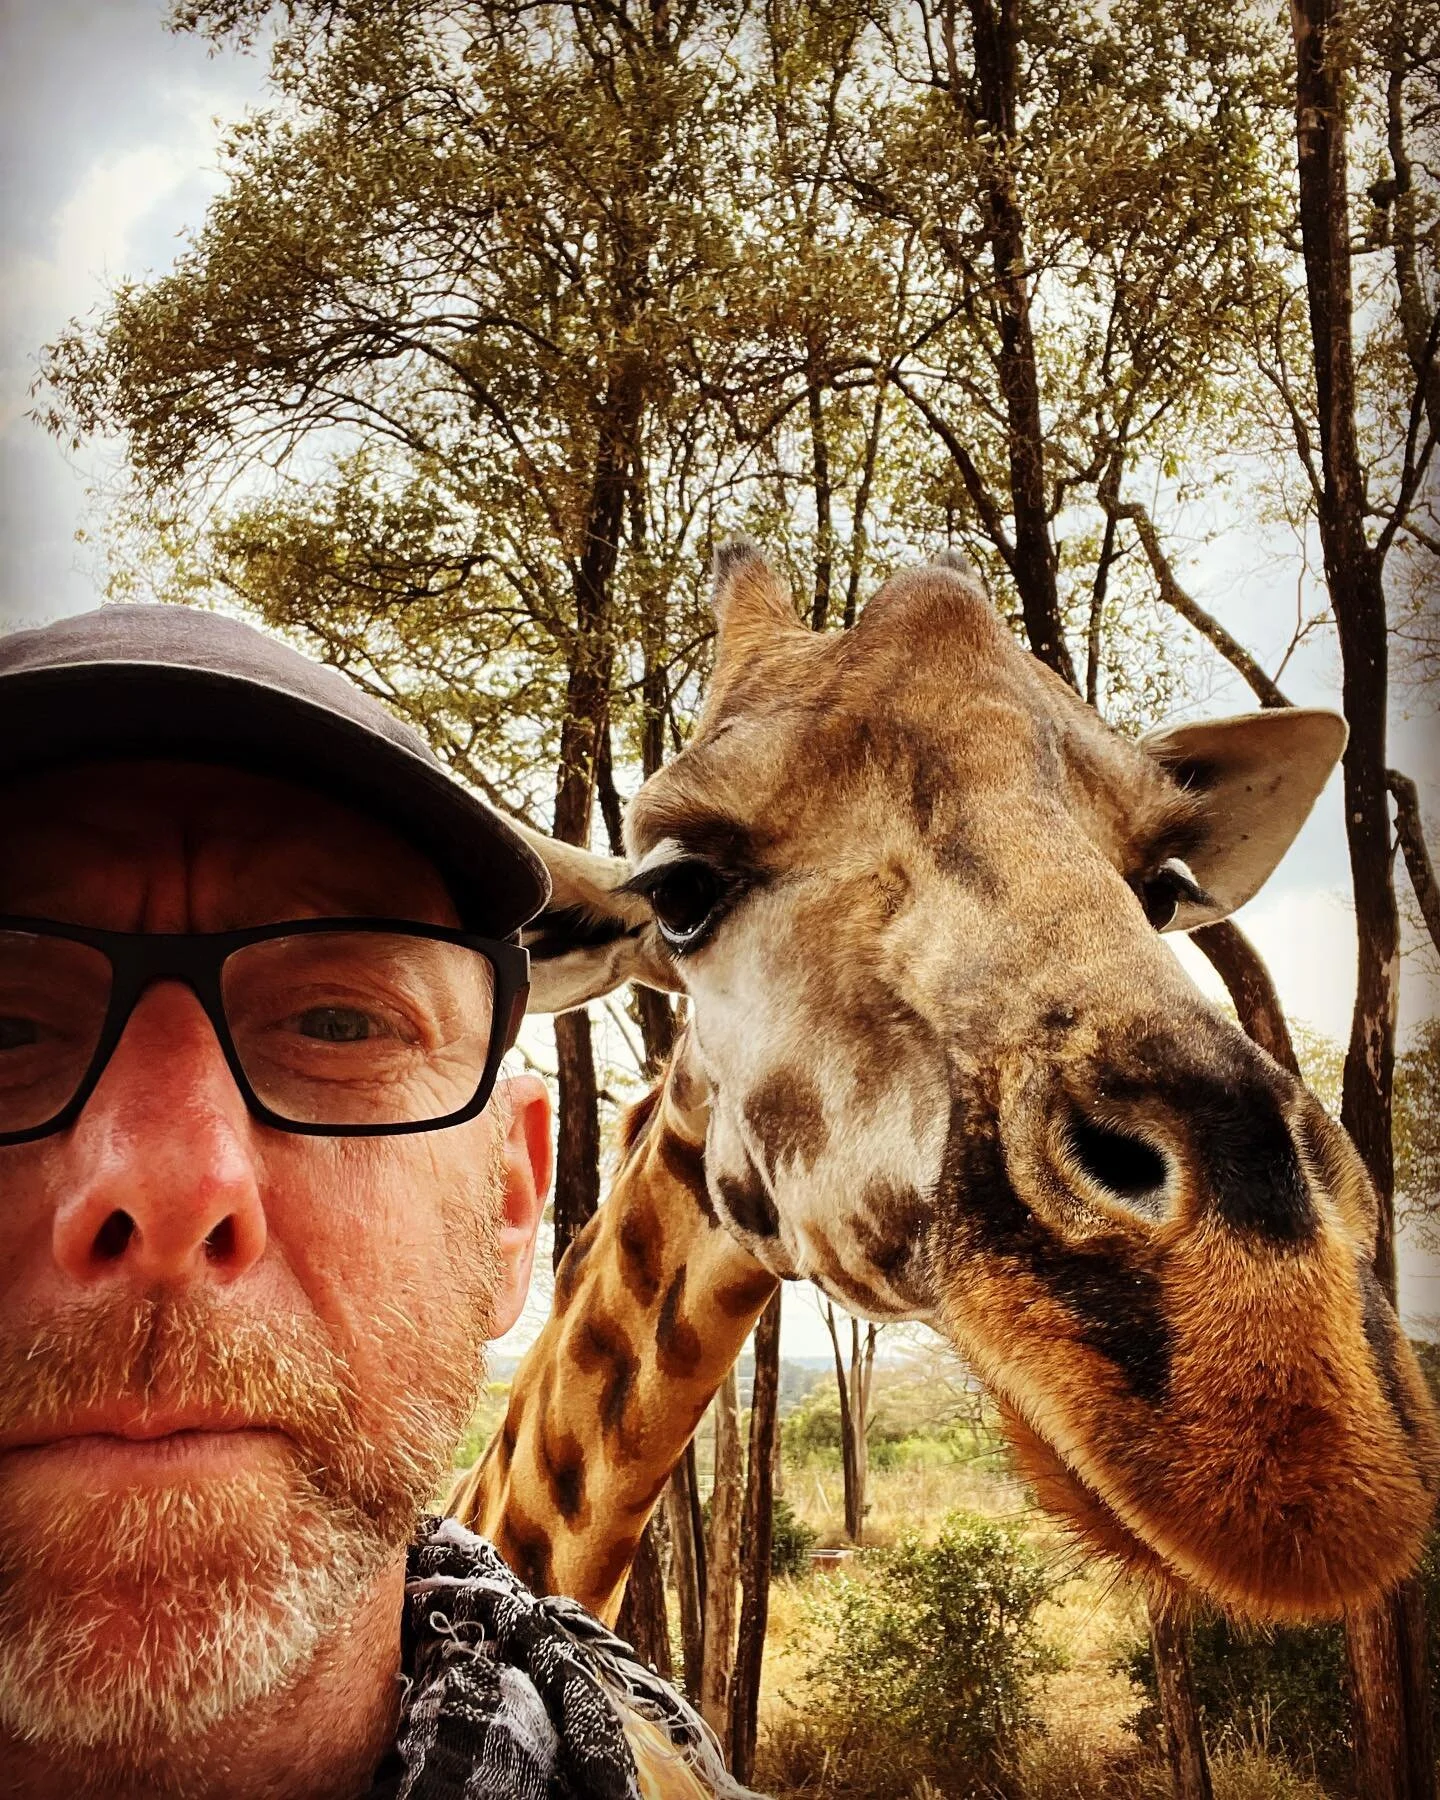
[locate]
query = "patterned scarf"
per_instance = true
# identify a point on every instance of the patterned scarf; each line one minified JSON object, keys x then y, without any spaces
{"x":511,"y":1696}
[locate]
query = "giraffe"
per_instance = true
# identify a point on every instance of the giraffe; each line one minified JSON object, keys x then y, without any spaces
{"x":913,"y":888}
{"x":653,"y":1302}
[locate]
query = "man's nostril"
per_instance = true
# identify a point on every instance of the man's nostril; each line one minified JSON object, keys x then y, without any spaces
{"x":114,"y":1235}
{"x":1127,"y":1166}
{"x":220,"y":1245}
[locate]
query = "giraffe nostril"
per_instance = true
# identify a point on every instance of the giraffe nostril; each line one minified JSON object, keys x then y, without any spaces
{"x":114,"y":1235}
{"x":1127,"y":1166}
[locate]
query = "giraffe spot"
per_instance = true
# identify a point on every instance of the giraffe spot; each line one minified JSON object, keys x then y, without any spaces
{"x":686,"y":1162}
{"x":1380,"y":1332}
{"x":747,"y":1295}
{"x":839,"y":1281}
{"x":892,"y":1224}
{"x":604,"y":1349}
{"x":787,"y":1116}
{"x":635,"y":1122}
{"x":955,"y":856}
{"x":526,"y":1547}
{"x":562,"y":1458}
{"x":678,"y":1348}
{"x":642,"y":1264}
{"x":567,"y":1276}
{"x":747,"y":1203}
{"x":613,"y":1564}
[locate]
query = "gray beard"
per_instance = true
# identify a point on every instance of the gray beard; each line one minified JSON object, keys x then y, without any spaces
{"x":244,"y":1622}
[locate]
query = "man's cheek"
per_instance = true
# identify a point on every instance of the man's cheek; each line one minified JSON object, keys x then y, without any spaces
{"x":358,"y":1218}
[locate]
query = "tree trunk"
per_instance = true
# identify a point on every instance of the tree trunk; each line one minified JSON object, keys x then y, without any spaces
{"x":848,"y":1468}
{"x":582,"y":735}
{"x":685,"y":1569}
{"x":1386,"y":1644}
{"x":1240,"y":967}
{"x":577,"y":1145}
{"x":995,"y":26}
{"x":643,"y":1621}
{"x":1394,"y":1752}
{"x":1411,"y":833}
{"x":1184,"y":1740}
{"x":722,"y":1561}
{"x":656,"y":1016}
{"x":757,"y":1541}
{"x":862,"y":1370}
{"x":824,"y":527}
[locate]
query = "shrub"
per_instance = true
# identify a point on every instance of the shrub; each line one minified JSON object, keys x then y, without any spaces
{"x":793,"y":1540}
{"x":934,"y":1644}
{"x":1286,"y":1686}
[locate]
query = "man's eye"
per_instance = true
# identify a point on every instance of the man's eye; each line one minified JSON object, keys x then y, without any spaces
{"x":1160,"y":894}
{"x":17,"y":1033}
{"x":687,"y":898}
{"x":335,"y":1024}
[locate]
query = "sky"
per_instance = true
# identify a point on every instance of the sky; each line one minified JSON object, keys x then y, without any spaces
{"x":109,"y":128}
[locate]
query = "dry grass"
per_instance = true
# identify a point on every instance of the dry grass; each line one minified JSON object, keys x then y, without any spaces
{"x":905,"y":1497}
{"x":1068,"y":1764}
{"x":1087,"y":1749}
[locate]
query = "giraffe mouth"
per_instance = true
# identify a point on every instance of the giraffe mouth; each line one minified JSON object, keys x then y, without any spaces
{"x":1285,"y":1461}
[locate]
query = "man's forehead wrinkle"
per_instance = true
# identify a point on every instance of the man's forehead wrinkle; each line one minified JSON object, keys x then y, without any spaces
{"x":203,"y":851}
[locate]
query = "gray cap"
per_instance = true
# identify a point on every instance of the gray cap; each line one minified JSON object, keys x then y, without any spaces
{"x":173,"y":681}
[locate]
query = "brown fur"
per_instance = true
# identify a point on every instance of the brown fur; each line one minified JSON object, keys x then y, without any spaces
{"x":946,"y":1056}
{"x":604,"y":1403}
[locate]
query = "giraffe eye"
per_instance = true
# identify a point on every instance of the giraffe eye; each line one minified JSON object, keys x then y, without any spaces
{"x":1161,"y":893}
{"x":687,"y":898}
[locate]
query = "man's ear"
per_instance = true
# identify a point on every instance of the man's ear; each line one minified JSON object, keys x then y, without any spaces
{"x":593,"y":935}
{"x":1256,"y":777}
{"x":522,"y":1110}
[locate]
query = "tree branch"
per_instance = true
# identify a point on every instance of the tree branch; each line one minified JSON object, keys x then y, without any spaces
{"x":1190,"y":610}
{"x":1412,"y":842}
{"x":1239,"y":965}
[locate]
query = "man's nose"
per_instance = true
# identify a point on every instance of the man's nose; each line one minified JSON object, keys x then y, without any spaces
{"x":163,"y":1185}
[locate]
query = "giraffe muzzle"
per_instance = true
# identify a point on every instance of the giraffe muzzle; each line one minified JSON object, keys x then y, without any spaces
{"x":1163,"y":1271}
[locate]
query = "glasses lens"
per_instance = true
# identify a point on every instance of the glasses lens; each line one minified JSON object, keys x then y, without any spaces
{"x":53,"y":999}
{"x":360,"y":1027}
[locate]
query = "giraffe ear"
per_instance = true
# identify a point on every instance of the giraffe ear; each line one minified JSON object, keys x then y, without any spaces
{"x":1256,"y":777}
{"x":752,"y":605}
{"x":593,"y":935}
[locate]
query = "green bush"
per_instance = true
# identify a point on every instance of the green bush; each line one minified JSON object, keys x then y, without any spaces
{"x":792,"y":1542}
{"x":1285,"y":1686}
{"x":811,"y":1434}
{"x":936,"y":1642}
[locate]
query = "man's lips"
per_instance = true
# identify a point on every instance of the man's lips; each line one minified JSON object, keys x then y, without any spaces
{"x":142,"y":1442}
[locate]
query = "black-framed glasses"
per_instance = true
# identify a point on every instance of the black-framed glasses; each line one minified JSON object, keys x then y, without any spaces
{"x":331,"y":1027}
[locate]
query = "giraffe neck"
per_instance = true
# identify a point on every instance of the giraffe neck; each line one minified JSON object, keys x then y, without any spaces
{"x":653,"y":1302}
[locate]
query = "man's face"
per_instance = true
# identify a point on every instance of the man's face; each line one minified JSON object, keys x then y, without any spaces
{"x":234,"y":1361}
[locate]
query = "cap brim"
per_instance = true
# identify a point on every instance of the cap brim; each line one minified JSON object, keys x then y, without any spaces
{"x":81,"y":711}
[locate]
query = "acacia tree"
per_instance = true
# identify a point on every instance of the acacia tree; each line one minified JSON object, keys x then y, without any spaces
{"x":1386,"y":1645}
{"x":446,"y":294}
{"x":505,"y":306}
{"x":854,"y":1381}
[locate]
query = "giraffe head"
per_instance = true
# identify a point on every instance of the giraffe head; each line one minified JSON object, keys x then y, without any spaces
{"x":914,"y":889}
